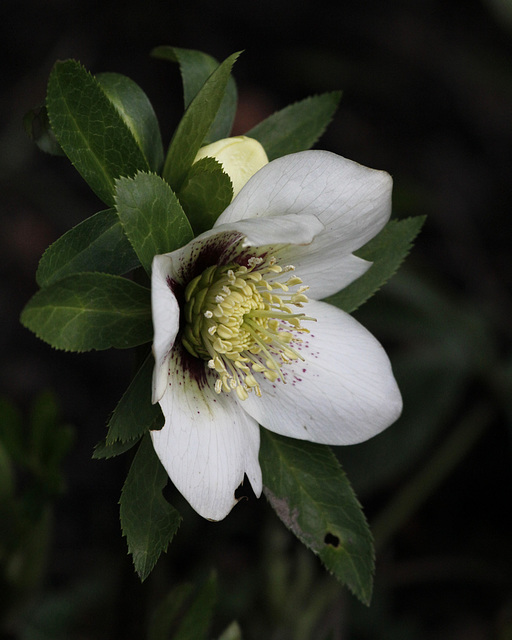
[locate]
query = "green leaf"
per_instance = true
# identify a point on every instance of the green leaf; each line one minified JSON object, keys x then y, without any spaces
{"x":37,"y":125}
{"x":168,"y":612}
{"x":44,"y":417}
{"x":11,"y":430}
{"x":432,"y":390}
{"x":137,"y":112}
{"x":197,"y":619}
{"x":148,"y":521}
{"x":232,"y":632}
{"x":135,"y":414}
{"x":90,"y":311}
{"x":104,"y":451}
{"x":193,"y":127}
{"x":48,"y":443}
{"x":196,"y":67}
{"x":205,"y":194}
{"x":309,"y":491}
{"x":7,"y":483}
{"x":151,"y":216}
{"x":96,"y":244}
{"x":184,"y":614}
{"x":387,"y":251}
{"x":297,"y":127}
{"x":90,"y":129}
{"x":12,"y":450}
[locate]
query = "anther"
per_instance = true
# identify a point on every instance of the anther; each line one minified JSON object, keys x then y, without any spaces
{"x":238,"y":319}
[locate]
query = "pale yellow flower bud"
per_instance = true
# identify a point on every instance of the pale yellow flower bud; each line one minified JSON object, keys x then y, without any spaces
{"x":241,"y":157}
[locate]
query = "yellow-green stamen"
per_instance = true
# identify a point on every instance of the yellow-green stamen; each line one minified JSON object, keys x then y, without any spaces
{"x":239,"y":319}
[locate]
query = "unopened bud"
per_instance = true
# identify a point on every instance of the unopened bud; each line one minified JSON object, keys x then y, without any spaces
{"x":241,"y":157}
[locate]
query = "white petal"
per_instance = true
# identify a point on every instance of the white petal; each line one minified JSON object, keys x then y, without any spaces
{"x":208,"y":442}
{"x":324,"y":205}
{"x":320,"y":263}
{"x":221,"y":245}
{"x":166,"y":318}
{"x":294,"y":229}
{"x":342,"y":393}
{"x":207,"y":249}
{"x":324,"y":270}
{"x":352,"y":201}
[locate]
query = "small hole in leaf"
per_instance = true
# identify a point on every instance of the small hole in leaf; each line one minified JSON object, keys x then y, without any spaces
{"x":334,"y":541}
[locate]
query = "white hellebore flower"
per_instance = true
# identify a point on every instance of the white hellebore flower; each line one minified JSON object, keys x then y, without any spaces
{"x":241,"y":337}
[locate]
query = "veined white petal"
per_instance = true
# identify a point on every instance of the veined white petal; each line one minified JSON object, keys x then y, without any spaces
{"x":208,"y":442}
{"x":323,"y":269}
{"x":292,"y":228}
{"x":342,"y":393}
{"x":352,"y":201}
{"x":220,"y":244}
{"x":166,"y":318}
{"x":202,"y":252}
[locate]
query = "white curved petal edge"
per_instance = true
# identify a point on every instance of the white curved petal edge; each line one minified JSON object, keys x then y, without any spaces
{"x":220,"y":245}
{"x":287,"y":229}
{"x":342,"y":393}
{"x":351,"y":200}
{"x":324,"y":269}
{"x":208,"y":441}
{"x":166,"y":319}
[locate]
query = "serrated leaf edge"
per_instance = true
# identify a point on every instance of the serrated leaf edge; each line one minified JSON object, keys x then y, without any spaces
{"x":112,"y":105}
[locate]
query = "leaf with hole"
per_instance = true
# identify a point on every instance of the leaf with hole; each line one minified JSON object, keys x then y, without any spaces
{"x":311,"y":494}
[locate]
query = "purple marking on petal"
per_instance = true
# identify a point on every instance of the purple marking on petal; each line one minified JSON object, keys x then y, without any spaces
{"x":173,"y":285}
{"x":191,"y":367}
{"x":211,"y":251}
{"x":242,"y":257}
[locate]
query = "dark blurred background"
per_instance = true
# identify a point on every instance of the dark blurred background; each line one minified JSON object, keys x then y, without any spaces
{"x":427,"y":96}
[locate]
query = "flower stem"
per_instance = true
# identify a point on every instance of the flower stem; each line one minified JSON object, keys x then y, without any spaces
{"x":410,"y":498}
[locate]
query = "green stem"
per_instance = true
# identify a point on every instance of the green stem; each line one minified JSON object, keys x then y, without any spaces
{"x":410,"y":498}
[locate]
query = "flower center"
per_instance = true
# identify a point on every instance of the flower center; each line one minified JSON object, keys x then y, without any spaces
{"x":240,"y":320}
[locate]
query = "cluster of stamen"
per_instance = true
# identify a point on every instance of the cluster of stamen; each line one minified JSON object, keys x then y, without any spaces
{"x":239,"y":319}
